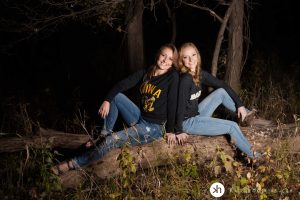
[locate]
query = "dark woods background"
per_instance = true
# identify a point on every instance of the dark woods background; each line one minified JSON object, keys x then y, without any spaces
{"x":55,"y":76}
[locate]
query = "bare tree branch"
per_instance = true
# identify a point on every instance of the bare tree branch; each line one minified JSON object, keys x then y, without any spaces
{"x":35,"y":16}
{"x":211,"y":12}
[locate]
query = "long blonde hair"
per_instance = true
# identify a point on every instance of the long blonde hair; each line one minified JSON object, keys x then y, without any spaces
{"x":153,"y":68}
{"x":183,"y":69}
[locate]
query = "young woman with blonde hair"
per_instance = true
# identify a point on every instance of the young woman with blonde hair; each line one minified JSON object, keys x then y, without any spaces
{"x":196,"y":118}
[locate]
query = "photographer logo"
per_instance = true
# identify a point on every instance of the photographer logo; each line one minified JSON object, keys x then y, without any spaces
{"x":217,"y":189}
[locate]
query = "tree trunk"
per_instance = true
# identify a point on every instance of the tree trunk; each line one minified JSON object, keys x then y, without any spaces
{"x":159,"y":153}
{"x":235,"y":46}
{"x":172,"y":17}
{"x":43,"y":139}
{"x":155,"y":154}
{"x":135,"y":40}
{"x":174,"y":27}
{"x":48,"y":138}
{"x":214,"y":65}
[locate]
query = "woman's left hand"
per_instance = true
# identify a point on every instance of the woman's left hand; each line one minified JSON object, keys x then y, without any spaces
{"x":171,"y":138}
{"x":104,"y":109}
{"x":242,"y":112}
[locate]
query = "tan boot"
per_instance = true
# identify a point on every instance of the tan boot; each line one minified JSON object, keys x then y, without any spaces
{"x":249,"y":117}
{"x":252,"y":119}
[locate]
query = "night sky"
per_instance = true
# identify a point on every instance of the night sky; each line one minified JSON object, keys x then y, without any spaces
{"x":74,"y":66}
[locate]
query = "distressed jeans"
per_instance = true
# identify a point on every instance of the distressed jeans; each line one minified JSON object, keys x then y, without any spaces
{"x":139,"y":132}
{"x":205,"y":124}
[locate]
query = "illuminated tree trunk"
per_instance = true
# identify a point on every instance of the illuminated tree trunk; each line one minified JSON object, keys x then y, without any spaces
{"x":135,"y":40}
{"x":235,"y":46}
{"x":214,"y":64}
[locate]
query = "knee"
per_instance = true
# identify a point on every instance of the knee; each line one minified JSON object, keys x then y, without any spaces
{"x":119,"y":97}
{"x":234,"y":127}
{"x":220,"y":91}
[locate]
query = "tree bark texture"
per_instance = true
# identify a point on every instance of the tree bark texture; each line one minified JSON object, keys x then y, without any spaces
{"x":235,"y":46}
{"x":172,"y":17}
{"x":43,"y":139}
{"x":135,"y":40}
{"x":160,"y":153}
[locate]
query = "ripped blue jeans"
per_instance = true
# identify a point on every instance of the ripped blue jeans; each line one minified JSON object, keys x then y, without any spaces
{"x":139,"y":131}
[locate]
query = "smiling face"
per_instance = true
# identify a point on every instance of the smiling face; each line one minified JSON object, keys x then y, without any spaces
{"x":190,"y":58}
{"x":164,"y":60}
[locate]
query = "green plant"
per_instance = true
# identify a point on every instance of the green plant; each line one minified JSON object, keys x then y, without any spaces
{"x":128,"y":167}
{"x":27,"y":174}
{"x":189,"y":167}
{"x":38,"y":174}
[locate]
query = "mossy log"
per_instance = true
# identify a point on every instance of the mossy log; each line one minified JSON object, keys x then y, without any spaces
{"x":157,"y":153}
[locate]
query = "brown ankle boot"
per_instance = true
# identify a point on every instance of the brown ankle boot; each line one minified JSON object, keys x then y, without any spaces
{"x":249,"y":117}
{"x":260,"y":122}
{"x":252,"y":119}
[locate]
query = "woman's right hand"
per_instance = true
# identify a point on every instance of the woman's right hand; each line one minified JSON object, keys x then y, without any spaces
{"x":104,"y":109}
{"x":171,"y":138}
{"x":182,"y":138}
{"x":242,"y":113}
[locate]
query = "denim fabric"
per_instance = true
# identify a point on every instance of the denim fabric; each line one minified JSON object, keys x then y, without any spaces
{"x":205,"y":124}
{"x":139,"y":132}
{"x":128,"y":110}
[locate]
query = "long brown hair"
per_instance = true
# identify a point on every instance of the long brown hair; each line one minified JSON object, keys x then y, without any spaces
{"x":153,"y":68}
{"x":183,"y":69}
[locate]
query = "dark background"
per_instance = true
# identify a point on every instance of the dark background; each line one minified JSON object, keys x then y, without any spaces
{"x":68,"y":71}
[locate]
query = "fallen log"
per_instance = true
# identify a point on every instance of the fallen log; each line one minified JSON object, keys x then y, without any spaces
{"x":150,"y":155}
{"x":160,"y":153}
{"x":44,"y":138}
{"x":48,"y":138}
{"x":154,"y":154}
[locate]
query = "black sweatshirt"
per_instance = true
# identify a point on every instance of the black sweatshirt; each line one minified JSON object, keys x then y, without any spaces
{"x":159,"y":96}
{"x":189,"y":93}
